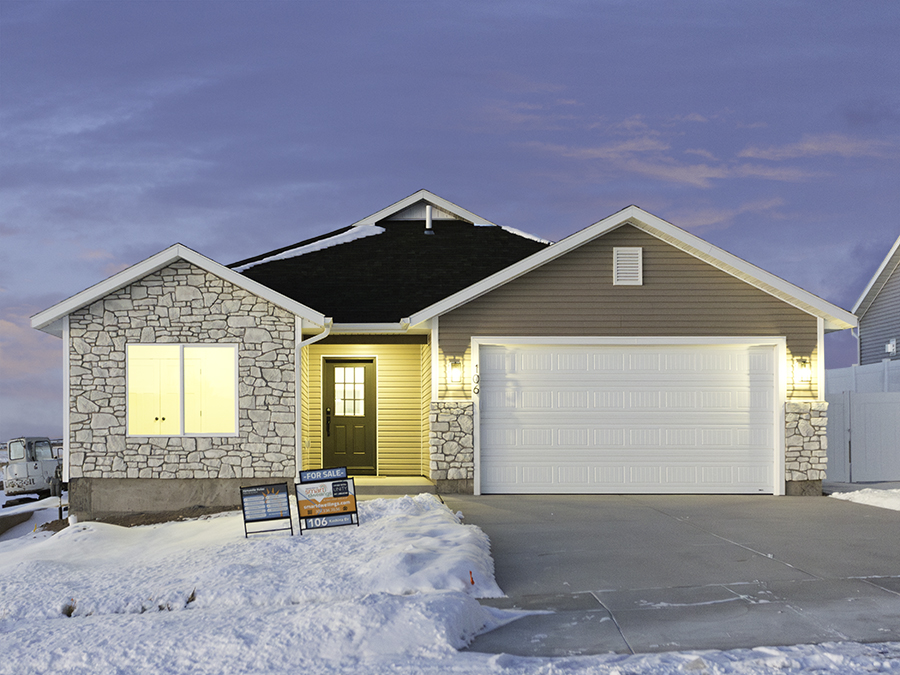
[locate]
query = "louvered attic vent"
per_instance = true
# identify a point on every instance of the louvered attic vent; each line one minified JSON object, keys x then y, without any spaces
{"x":628,"y":267}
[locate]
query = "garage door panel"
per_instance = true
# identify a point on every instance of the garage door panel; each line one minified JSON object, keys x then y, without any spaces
{"x":697,"y":439}
{"x":620,"y":478}
{"x":627,"y":419}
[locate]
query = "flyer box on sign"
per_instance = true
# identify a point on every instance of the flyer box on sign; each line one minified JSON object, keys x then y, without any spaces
{"x":326,"y":498}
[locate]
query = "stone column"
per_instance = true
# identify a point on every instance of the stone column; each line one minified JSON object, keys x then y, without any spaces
{"x":452,"y":444}
{"x":805,"y":446}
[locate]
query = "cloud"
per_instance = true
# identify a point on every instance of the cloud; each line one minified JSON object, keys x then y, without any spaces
{"x":95,"y":254}
{"x":647,"y":156}
{"x":717,"y":218}
{"x":25,"y":351}
{"x":702,"y":153}
{"x":690,"y":117}
{"x":515,"y":83}
{"x":525,"y":115}
{"x":832,"y":144}
{"x":613,"y":151}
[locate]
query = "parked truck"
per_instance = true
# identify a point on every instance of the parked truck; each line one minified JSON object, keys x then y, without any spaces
{"x":35,"y":467}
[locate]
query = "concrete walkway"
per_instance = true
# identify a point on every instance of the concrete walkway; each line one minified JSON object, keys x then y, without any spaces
{"x":634,"y":574}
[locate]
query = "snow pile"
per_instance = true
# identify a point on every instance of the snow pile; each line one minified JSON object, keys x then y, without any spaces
{"x":886,"y":499}
{"x":394,"y":595}
{"x":197,"y":592}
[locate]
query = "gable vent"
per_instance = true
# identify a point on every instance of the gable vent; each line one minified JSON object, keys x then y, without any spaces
{"x":628,"y":266}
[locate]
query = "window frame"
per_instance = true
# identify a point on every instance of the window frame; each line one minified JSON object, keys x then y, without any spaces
{"x":234,"y":347}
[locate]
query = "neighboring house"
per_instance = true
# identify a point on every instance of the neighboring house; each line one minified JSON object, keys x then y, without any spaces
{"x":864,"y":438}
{"x":878,"y":309}
{"x":630,"y":357}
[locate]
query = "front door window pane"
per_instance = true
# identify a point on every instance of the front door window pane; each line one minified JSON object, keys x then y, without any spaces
{"x":349,"y":391}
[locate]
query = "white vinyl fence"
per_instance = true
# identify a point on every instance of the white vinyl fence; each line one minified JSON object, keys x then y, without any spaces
{"x":864,"y":423}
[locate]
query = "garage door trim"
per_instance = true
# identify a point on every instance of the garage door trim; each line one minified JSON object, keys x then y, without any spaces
{"x":778,"y":343}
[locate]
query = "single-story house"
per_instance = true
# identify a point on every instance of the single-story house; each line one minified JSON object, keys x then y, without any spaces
{"x":878,"y":310}
{"x":424,"y":340}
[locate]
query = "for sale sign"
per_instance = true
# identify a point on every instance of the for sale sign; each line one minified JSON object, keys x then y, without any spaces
{"x":326,"y":498}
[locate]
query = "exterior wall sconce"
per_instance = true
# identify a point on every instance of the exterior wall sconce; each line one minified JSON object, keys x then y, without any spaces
{"x":891,"y":347}
{"x":802,"y":370}
{"x":456,"y":371}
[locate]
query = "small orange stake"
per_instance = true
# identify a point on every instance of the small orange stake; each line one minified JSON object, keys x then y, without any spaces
{"x":471,"y":578}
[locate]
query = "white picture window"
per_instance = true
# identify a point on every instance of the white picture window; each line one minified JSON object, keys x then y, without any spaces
{"x":628,"y":266}
{"x":177,"y":390}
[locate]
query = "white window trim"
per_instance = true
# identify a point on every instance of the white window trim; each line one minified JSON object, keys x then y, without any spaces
{"x":182,"y":434}
{"x":623,"y":254}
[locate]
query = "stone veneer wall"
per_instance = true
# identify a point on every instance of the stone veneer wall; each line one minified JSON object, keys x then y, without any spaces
{"x":181,"y":304}
{"x":805,"y":446}
{"x":452,"y":446}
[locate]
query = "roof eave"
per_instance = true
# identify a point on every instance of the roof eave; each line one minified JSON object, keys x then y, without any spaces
{"x":369,"y":328}
{"x":49,"y":320}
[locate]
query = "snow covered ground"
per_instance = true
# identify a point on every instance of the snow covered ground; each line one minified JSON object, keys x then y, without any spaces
{"x":395,"y":595}
{"x":886,"y":499}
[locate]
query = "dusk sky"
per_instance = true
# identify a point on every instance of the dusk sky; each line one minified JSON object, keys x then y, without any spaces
{"x":771,"y":129}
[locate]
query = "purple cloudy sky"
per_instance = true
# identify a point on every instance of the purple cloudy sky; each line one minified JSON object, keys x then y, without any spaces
{"x":772,"y":129}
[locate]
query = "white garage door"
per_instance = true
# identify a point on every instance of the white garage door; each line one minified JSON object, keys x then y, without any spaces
{"x":627,"y":419}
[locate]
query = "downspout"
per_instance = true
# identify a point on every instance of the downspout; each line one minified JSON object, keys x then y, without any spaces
{"x":66,"y":398}
{"x":298,"y":348}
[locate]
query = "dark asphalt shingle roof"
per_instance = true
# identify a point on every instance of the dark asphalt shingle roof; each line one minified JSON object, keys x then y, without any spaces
{"x":389,"y":276}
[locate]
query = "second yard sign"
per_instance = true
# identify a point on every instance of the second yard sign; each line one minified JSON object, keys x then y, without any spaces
{"x":326,"y":498}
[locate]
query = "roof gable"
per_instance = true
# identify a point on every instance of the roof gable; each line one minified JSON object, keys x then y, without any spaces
{"x":448,"y":209}
{"x":49,"y":320}
{"x":887,"y":268}
{"x":834,"y":317}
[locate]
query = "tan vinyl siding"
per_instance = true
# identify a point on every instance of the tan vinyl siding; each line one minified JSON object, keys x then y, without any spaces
{"x":881,"y":322}
{"x":425,"y":466}
{"x":574,"y":296}
{"x":399,"y":412}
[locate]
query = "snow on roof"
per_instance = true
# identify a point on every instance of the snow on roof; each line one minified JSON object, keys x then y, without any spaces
{"x":354,"y":233}
{"x":520,"y":233}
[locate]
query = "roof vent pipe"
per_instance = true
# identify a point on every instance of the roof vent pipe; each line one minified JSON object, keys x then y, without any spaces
{"x":428,"y":228}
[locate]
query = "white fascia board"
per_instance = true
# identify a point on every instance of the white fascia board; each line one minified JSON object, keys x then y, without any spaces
{"x":835,"y":317}
{"x":591,"y":341}
{"x":432,"y":199}
{"x":878,"y":280}
{"x":48,"y":319}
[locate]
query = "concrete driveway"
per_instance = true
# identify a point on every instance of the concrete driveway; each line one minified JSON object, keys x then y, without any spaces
{"x":634,"y":574}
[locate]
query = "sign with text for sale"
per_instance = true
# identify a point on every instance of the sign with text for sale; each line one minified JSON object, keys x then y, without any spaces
{"x":326,"y":498}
